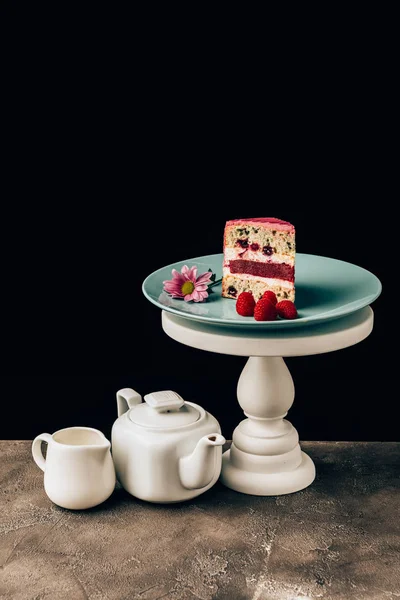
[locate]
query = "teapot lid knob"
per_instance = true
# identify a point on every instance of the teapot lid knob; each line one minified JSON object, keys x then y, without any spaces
{"x":164,"y":401}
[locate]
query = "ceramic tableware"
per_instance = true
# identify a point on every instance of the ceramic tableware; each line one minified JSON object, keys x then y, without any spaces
{"x":326,"y":288}
{"x":165,"y":449}
{"x":78,"y":468}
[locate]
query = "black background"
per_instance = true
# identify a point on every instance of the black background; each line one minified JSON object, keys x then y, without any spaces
{"x":129,"y":152}
{"x":90,"y":330}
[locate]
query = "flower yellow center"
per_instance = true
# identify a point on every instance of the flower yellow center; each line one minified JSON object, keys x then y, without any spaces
{"x":187,"y":288}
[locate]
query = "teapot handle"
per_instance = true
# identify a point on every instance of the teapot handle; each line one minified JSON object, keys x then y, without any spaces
{"x":126,"y":399}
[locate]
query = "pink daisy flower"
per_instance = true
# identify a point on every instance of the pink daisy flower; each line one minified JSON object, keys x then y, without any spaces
{"x":187,"y":285}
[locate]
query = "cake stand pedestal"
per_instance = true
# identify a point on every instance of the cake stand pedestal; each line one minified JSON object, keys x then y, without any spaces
{"x":265,"y":458}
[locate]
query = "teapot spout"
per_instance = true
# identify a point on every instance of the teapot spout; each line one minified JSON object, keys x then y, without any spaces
{"x":198,"y":469}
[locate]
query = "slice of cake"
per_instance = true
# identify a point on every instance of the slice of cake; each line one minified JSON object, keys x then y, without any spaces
{"x":259,"y":255}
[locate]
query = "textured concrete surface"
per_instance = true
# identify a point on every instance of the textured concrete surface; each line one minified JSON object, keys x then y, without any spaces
{"x":337,"y":540}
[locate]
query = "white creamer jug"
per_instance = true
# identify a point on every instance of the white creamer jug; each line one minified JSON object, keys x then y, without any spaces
{"x":78,"y":469}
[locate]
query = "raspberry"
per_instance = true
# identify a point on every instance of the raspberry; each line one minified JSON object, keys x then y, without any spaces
{"x":264,"y":310}
{"x":286,"y":309}
{"x":271,"y":296}
{"x":245,"y":304}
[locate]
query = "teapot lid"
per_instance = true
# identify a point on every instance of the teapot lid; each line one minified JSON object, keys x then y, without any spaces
{"x":164,"y":410}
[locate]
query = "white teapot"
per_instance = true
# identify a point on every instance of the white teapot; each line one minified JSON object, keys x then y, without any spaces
{"x":165,"y":449}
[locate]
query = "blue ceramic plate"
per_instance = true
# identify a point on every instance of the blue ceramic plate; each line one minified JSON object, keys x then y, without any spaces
{"x":326,"y":288}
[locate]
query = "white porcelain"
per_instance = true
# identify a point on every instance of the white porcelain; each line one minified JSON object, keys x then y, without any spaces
{"x":78,"y":469}
{"x":265,"y":457}
{"x":165,"y":449}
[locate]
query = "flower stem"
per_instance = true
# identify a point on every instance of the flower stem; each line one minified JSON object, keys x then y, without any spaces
{"x":210,"y":285}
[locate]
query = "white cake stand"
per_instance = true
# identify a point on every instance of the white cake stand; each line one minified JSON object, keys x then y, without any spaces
{"x":265,"y":458}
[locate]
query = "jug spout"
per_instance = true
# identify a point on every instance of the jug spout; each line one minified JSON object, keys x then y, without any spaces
{"x":94,"y":442}
{"x":104,"y":447}
{"x":198,"y":469}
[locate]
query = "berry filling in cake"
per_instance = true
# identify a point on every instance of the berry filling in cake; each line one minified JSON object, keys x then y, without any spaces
{"x":262,"y":269}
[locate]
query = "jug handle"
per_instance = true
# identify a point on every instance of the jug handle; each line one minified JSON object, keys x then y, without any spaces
{"x":126,"y":399}
{"x":37,"y":449}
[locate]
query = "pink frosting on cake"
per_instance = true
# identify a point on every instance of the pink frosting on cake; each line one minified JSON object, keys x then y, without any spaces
{"x":278,"y":224}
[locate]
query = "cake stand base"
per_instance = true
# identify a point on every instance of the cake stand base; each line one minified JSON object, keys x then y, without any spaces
{"x":265,"y":458}
{"x":267,"y":484}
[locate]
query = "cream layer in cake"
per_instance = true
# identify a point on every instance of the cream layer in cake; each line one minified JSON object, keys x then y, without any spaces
{"x":239,"y":254}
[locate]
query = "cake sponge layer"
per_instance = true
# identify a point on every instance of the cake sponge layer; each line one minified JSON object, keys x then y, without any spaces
{"x":268,"y":240}
{"x":232,"y":286}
